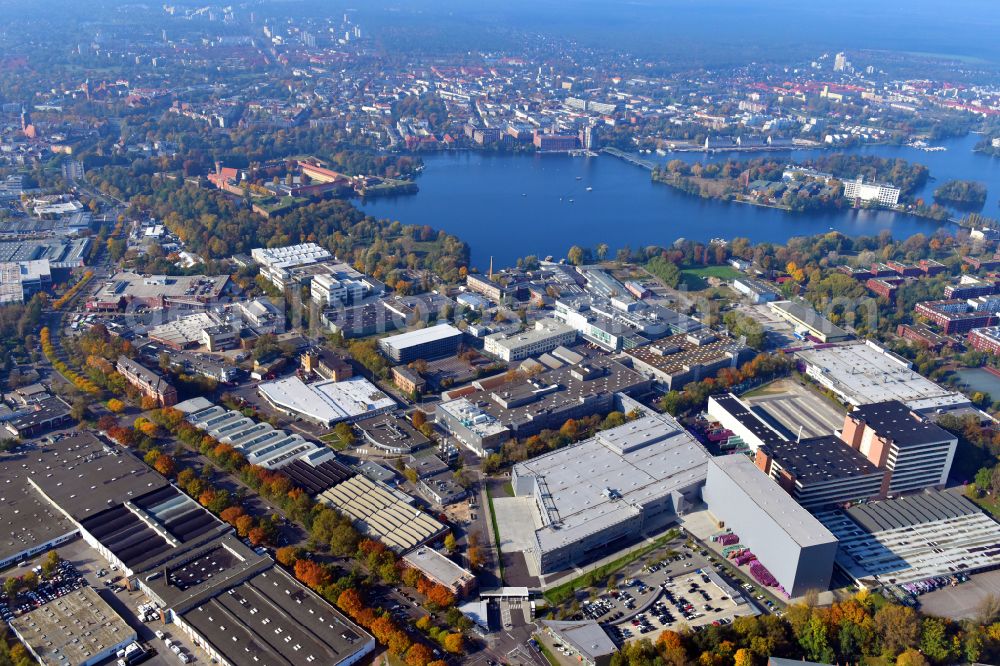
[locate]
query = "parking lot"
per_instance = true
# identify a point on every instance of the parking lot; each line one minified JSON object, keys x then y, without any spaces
{"x":674,"y":587}
{"x":962,"y":601}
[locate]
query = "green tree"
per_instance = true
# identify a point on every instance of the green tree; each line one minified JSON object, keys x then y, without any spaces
{"x":575,"y":255}
{"x":814,"y":641}
{"x":934,"y":640}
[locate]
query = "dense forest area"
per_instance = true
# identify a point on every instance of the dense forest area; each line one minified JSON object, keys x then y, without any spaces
{"x":216,"y":225}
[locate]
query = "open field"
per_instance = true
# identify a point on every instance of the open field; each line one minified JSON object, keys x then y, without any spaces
{"x":696,"y":277}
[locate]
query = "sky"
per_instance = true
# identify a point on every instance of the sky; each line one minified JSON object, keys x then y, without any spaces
{"x":967,"y":28}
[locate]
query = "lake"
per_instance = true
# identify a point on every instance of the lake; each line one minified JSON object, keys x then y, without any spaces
{"x":978,"y":379}
{"x":509,"y":206}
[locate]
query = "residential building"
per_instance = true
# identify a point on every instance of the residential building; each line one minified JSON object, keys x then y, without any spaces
{"x":954,"y":315}
{"x":970,"y":286}
{"x":985,"y":339}
{"x":884,"y":287}
{"x":883,"y":194}
{"x":408,"y":381}
{"x":151,"y":384}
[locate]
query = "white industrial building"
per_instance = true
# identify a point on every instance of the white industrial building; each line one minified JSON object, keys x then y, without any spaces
{"x":275,"y":263}
{"x":596,"y":496}
{"x":865,"y":372}
{"x":20,"y":280}
{"x":261,"y":443}
{"x":547,"y":334}
{"x":327,"y":402}
{"x":899,"y":541}
{"x":427,"y":343}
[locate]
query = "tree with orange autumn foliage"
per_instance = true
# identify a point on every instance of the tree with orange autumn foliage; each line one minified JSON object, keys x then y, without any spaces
{"x":313,"y":574}
{"x":230,"y":514}
{"x":165,"y":465}
{"x":419,"y":655}
{"x":349,"y":601}
{"x":288,"y":555}
{"x":243,"y":525}
{"x":453,"y":643}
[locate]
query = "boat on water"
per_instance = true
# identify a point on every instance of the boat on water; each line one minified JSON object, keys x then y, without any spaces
{"x":579,"y":177}
{"x":590,"y":189}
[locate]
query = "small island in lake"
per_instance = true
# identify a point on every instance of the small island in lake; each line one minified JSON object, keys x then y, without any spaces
{"x":966,"y":194}
{"x":825,"y":182}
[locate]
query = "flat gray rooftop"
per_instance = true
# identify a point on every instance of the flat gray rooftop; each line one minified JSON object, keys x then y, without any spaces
{"x":73,"y":628}
{"x":911,"y":510}
{"x":272,"y":619}
{"x":26,"y":519}
{"x":799,"y":524}
{"x":85,"y":485}
{"x":639,"y":461}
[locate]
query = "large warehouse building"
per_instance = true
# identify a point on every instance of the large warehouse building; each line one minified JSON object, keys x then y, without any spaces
{"x":49,"y":635}
{"x":865,"y":372}
{"x":937,"y":533}
{"x":229,"y":599}
{"x":786,"y":539}
{"x":610,"y":488}
{"x":327,"y":402}
{"x":816,"y":471}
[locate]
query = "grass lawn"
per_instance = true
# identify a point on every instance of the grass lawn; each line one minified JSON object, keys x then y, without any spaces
{"x":496,"y":531}
{"x":695,"y":277}
{"x":334,"y":441}
{"x":988,"y":503}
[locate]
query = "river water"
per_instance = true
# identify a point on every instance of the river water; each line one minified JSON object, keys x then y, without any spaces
{"x":509,"y":206}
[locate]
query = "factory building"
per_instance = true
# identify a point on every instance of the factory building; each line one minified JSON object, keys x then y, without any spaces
{"x":787,"y":540}
{"x":427,"y":344}
{"x":592,"y":498}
